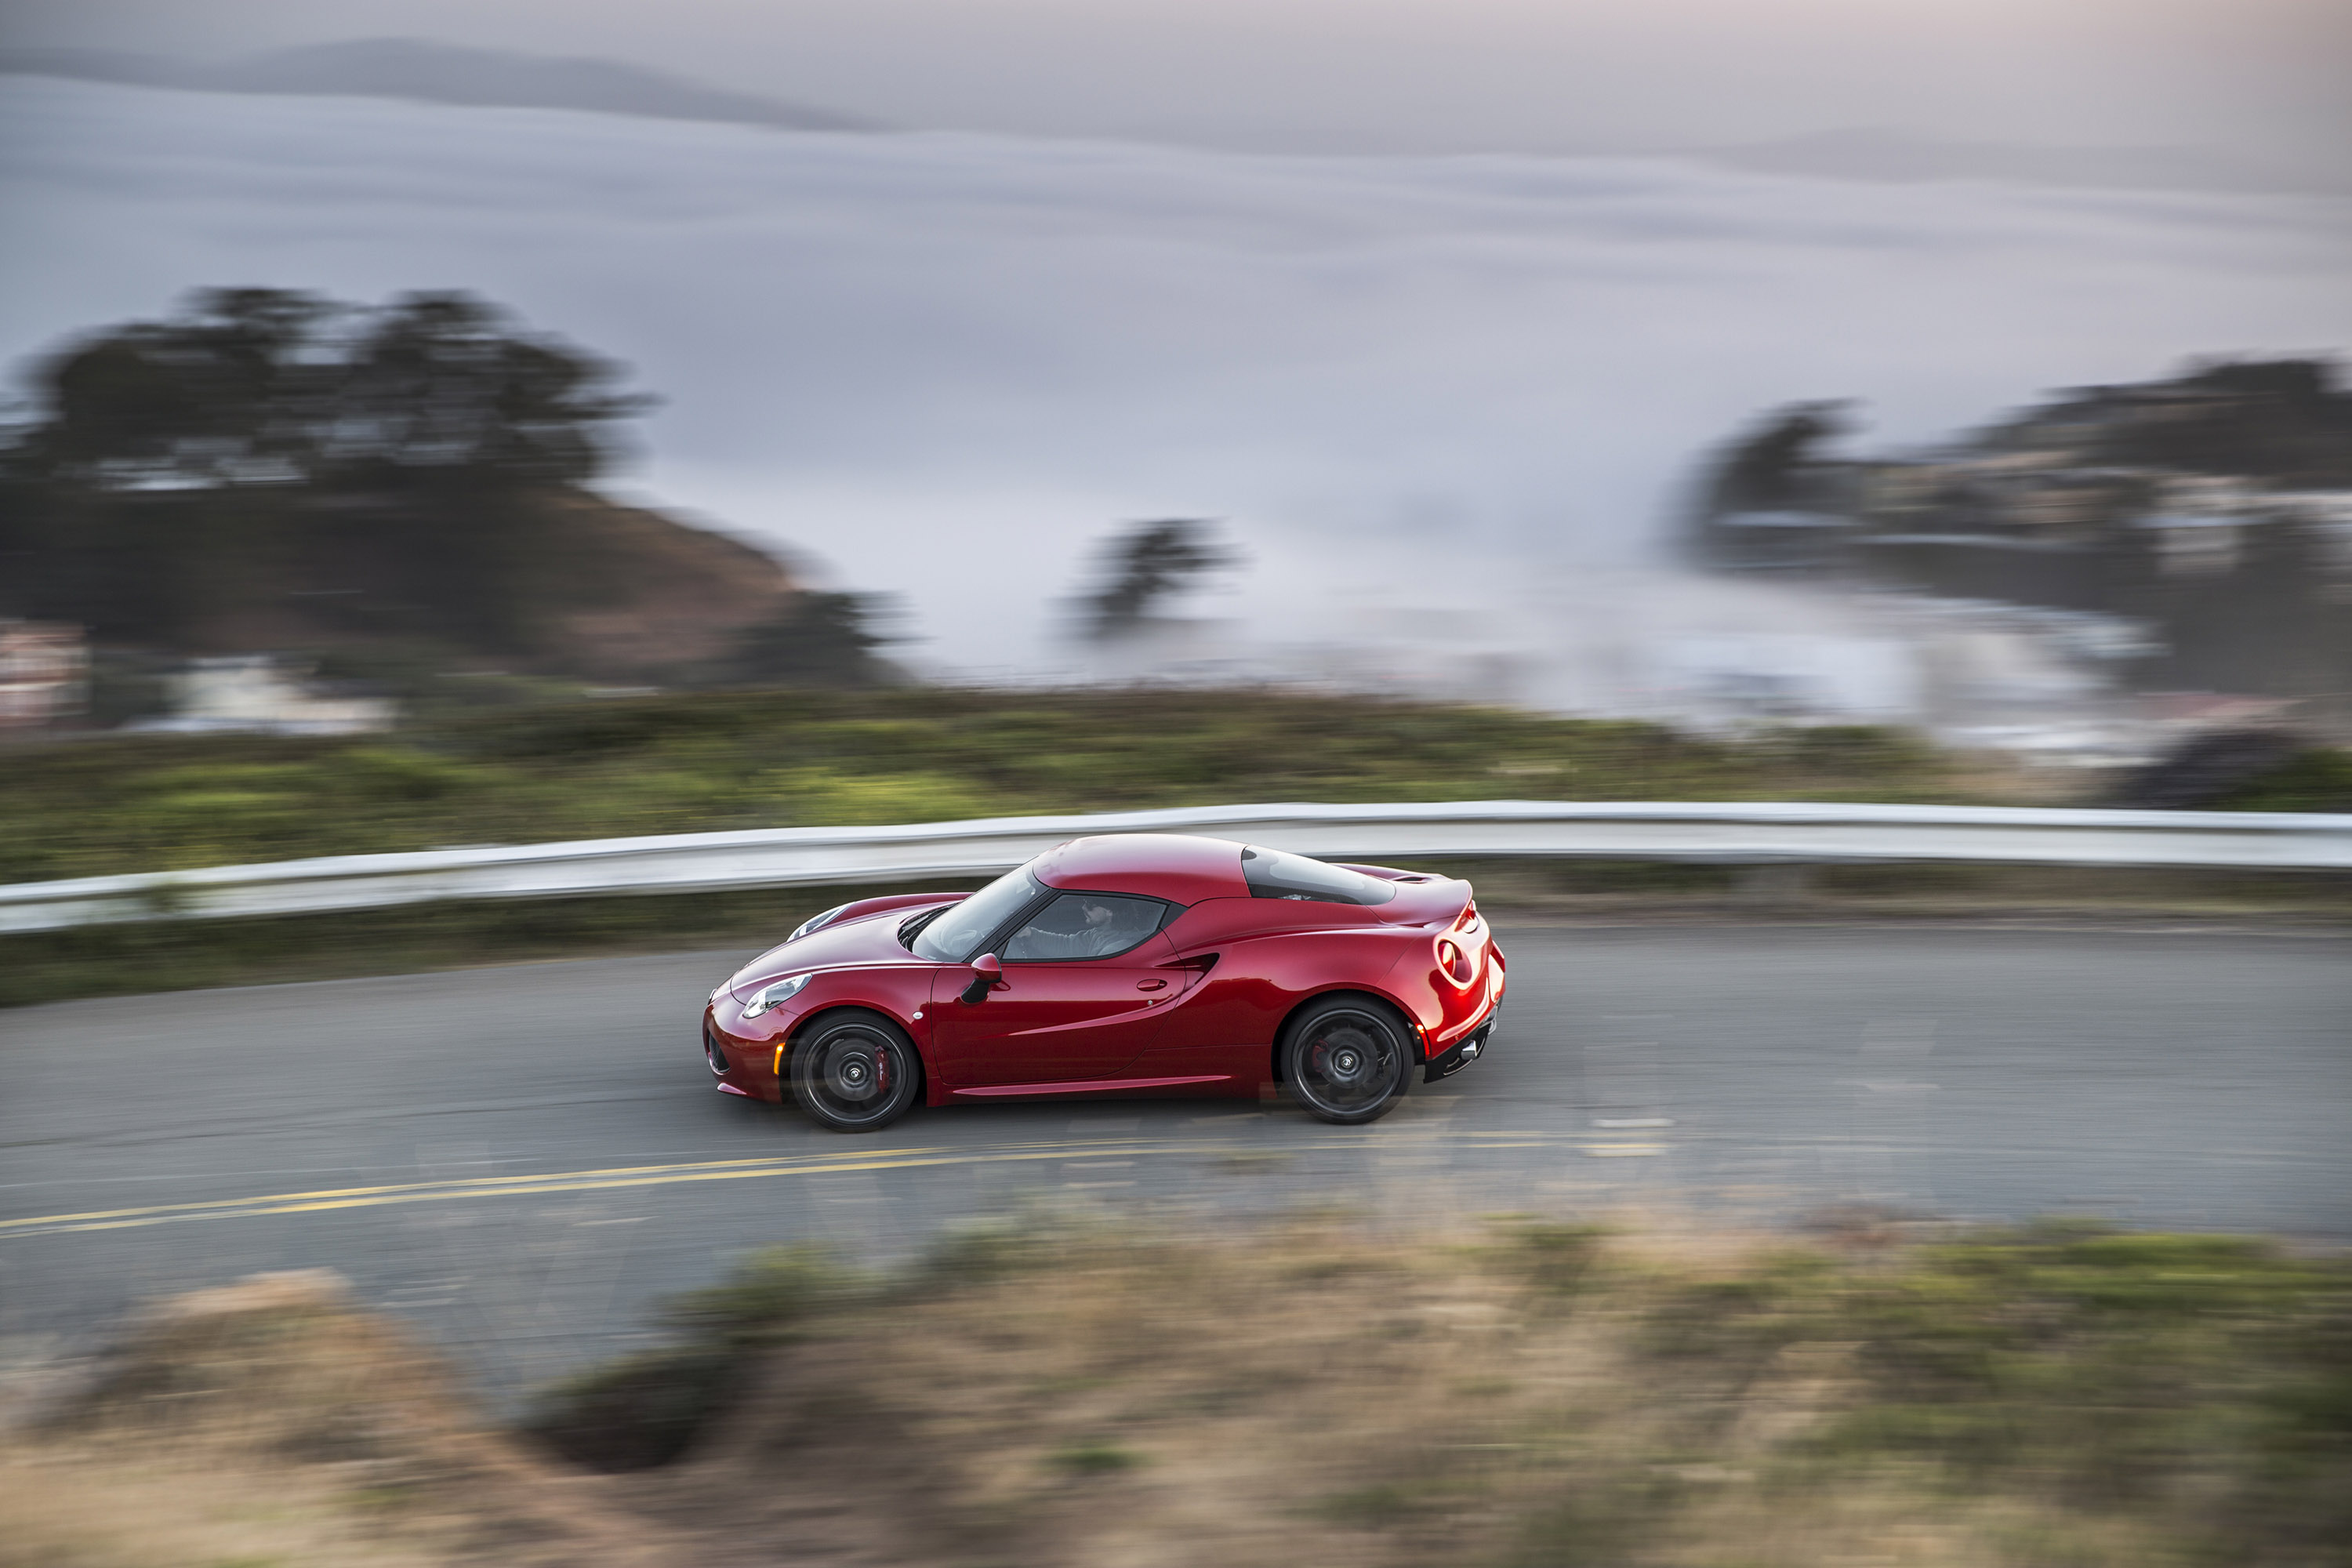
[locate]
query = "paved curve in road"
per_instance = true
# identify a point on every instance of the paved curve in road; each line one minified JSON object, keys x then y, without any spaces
{"x":523,"y":1159}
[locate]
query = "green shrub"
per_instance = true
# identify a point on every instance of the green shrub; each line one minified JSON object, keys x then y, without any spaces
{"x":757,"y":758}
{"x":771,"y":1297}
{"x":2317,"y":780}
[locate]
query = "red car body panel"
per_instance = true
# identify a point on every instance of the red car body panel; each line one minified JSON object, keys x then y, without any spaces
{"x":1051,"y":1023}
{"x":1197,"y":1008}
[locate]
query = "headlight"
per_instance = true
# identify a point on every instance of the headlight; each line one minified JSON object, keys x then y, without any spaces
{"x":775,"y":996}
{"x":814,"y":922}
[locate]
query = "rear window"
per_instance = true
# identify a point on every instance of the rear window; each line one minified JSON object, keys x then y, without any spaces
{"x":1272,"y":874}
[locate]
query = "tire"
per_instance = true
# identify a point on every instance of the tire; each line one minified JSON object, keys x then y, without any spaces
{"x":1348,"y":1059}
{"x":854,"y":1072}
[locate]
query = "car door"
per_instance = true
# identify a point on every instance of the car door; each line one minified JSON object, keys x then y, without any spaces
{"x":1084,"y":980}
{"x":1254,"y":959}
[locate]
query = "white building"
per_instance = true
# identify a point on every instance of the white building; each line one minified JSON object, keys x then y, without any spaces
{"x":44,"y":672}
{"x":257,"y":693}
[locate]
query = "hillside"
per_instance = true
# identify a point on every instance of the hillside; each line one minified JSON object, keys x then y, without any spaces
{"x":403,"y":487}
{"x":563,"y":581}
{"x":1530,"y":1392}
{"x":2207,"y":518}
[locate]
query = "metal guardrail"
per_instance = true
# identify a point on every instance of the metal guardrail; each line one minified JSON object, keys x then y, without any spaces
{"x":1758,"y":834}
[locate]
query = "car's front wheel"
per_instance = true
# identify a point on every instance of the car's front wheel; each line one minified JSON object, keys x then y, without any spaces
{"x":854,"y":1072}
{"x":1348,"y":1059}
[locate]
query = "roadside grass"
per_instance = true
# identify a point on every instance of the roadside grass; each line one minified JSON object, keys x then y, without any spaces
{"x":693,"y":762}
{"x":1542,"y":1393}
{"x":1083,"y":1386}
{"x":735,"y":760}
{"x":142,"y":957}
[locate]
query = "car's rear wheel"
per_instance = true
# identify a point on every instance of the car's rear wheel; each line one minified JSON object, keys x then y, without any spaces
{"x":854,"y":1072}
{"x":1349,"y":1059}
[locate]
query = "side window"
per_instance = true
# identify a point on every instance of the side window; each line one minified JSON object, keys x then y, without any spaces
{"x":1085,"y":925}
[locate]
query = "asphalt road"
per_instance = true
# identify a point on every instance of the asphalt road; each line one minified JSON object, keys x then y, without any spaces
{"x":524,"y":1160}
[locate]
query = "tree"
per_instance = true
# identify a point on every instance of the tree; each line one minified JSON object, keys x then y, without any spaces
{"x":443,"y":382}
{"x":265,"y":387}
{"x":182,"y":482}
{"x":1769,"y":469}
{"x":1149,"y":564}
{"x":228,"y":392}
{"x":819,"y":639}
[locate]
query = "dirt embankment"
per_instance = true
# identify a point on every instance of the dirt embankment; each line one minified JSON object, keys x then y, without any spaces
{"x":272,"y":1422}
{"x":642,"y":594}
{"x":1309,"y":1394}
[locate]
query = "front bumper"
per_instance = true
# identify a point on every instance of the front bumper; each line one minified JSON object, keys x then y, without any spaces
{"x":742,"y":1068}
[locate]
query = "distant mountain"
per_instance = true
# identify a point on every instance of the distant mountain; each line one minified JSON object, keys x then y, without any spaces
{"x":1880,"y":154}
{"x":439,"y":73}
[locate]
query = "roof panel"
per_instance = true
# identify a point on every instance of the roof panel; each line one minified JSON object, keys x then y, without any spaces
{"x":1182,"y":868}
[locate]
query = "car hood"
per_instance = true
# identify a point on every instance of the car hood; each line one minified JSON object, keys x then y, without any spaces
{"x":870,"y":938}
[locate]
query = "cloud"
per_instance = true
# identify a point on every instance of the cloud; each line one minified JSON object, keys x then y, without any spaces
{"x":943,"y":361}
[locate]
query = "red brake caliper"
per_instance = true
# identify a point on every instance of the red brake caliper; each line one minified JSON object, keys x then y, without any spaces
{"x":882,"y":1070}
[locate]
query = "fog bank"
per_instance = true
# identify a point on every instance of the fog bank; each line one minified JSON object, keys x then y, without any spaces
{"x":944,"y":363}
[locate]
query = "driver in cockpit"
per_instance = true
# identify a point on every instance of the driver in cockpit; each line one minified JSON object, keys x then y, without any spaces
{"x":1077,"y":928}
{"x":1100,"y":936}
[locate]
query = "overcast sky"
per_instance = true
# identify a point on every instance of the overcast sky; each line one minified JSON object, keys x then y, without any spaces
{"x":945,"y":361}
{"x":2263,"y":78}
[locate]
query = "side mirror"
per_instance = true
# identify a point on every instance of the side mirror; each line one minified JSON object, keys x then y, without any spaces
{"x":986,"y":970}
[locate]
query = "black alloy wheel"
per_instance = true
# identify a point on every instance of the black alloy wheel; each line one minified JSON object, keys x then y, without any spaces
{"x":1348,"y":1061}
{"x":855,"y":1072}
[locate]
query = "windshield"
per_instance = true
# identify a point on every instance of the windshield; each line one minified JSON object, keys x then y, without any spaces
{"x":961,"y":927}
{"x":1272,"y":874}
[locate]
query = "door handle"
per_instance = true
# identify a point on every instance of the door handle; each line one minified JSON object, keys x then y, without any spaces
{"x":1150,"y":985}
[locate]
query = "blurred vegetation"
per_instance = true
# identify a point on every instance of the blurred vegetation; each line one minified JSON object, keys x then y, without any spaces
{"x":172,"y":471}
{"x":2204,"y":1377}
{"x":1147,"y":564}
{"x":824,"y":639}
{"x":403,"y":490}
{"x":137,"y":958}
{"x":2316,"y":779}
{"x":2102,"y":480}
{"x":2242,"y":770}
{"x":1774,"y":465}
{"x":764,"y":759}
{"x":1548,"y":1394}
{"x":760,"y":759}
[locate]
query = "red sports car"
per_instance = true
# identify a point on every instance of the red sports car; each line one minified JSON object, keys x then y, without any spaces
{"x":1141,"y":963}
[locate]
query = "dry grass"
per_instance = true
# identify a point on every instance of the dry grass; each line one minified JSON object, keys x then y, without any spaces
{"x":272,"y":1422}
{"x":1311,"y":1394}
{"x":1539,"y":1396}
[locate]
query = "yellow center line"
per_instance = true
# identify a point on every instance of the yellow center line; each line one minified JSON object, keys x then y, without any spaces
{"x":664,"y":1175}
{"x":467,"y":1181}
